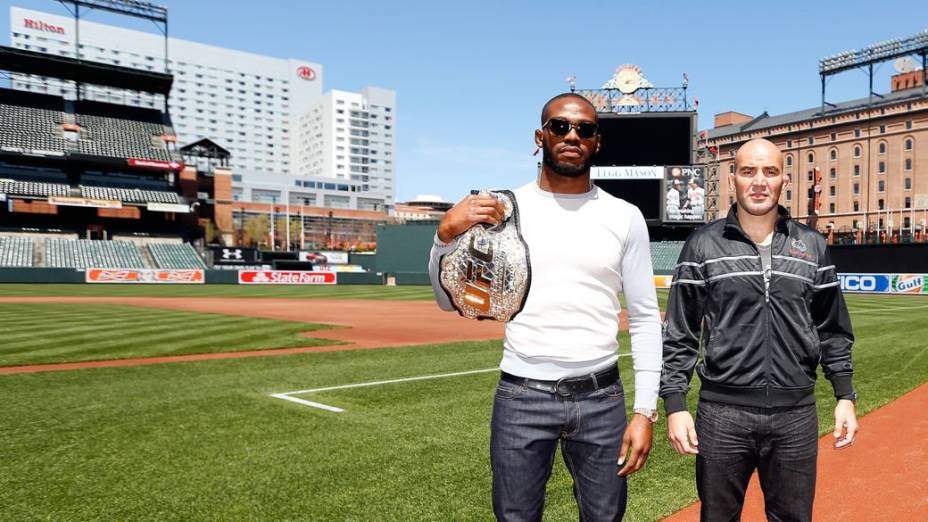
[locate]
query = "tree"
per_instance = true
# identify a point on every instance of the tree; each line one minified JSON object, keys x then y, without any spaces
{"x":256,"y":230}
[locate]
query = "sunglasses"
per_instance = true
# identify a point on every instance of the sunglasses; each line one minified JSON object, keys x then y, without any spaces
{"x":559,"y":127}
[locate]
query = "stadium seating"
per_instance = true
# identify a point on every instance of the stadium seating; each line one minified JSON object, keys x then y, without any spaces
{"x":122,"y":132}
{"x":30,"y":188}
{"x":15,"y":251}
{"x":35,"y":122}
{"x":85,"y":253}
{"x":32,"y":122}
{"x":664,"y":255}
{"x":175,"y":256}
{"x":133,"y":195}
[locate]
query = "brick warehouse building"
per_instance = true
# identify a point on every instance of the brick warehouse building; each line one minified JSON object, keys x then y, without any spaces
{"x":867,"y":160}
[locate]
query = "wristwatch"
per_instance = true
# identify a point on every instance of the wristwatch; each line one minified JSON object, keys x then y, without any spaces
{"x":649,"y":414}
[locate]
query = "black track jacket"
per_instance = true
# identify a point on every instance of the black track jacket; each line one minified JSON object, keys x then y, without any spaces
{"x":762,"y":342}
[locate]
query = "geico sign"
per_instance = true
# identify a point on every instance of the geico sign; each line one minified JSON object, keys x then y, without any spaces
{"x":42,"y":26}
{"x":858,"y":283}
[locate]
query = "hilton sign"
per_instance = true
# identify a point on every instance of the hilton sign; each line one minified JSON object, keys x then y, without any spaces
{"x":305,"y":72}
{"x":42,"y":26}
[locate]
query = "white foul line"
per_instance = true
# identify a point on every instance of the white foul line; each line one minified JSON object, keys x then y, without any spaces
{"x":287,"y":395}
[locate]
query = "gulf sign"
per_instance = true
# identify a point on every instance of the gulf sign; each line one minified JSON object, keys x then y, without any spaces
{"x":285,"y":277}
{"x":145,"y":276}
{"x":884,"y":283}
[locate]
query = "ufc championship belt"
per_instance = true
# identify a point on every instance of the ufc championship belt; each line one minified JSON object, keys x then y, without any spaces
{"x":488,"y":274}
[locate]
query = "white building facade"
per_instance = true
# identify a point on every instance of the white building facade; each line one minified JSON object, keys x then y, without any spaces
{"x":257,"y":107}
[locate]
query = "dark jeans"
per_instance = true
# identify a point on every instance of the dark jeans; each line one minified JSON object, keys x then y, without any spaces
{"x":781,"y":443}
{"x":526,"y":428}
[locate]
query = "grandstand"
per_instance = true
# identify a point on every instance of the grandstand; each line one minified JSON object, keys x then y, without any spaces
{"x":175,"y":256}
{"x":86,"y":253}
{"x":72,"y":166}
{"x":16,"y":251}
{"x":664,"y":255}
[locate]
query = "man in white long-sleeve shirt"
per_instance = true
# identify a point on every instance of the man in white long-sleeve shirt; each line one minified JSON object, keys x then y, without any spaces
{"x":560,"y":382}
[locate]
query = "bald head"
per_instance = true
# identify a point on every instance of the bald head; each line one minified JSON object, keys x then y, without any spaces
{"x":758,"y":178}
{"x":759,"y":153}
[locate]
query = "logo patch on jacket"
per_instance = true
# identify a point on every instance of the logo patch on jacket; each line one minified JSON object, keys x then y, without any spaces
{"x":797,"y":248}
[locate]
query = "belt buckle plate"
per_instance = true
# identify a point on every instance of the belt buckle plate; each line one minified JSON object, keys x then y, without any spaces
{"x":563,"y":387}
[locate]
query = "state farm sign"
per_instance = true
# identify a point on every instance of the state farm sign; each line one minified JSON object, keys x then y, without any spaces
{"x":39,"y":25}
{"x":285,"y":277}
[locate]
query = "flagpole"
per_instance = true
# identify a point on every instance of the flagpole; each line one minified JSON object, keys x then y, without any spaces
{"x":288,"y":224}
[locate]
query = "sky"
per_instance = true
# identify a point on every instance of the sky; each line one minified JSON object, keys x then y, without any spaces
{"x":471,"y":77}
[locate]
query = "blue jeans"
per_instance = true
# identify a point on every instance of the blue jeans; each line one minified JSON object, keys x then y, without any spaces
{"x":780,"y":443}
{"x":526,"y":428}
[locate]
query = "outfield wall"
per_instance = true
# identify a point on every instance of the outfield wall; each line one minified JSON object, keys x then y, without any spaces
{"x":77,"y":276}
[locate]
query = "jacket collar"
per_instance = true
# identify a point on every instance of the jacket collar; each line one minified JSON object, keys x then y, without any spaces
{"x":732,"y":223}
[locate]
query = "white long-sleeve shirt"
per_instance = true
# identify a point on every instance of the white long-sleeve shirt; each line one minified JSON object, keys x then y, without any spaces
{"x":585,"y":249}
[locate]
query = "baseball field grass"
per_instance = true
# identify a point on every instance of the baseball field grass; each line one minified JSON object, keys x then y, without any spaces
{"x":207,"y":441}
{"x":53,"y":333}
{"x":379,"y":292}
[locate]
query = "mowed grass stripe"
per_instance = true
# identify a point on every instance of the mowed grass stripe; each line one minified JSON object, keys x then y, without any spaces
{"x":379,"y":292}
{"x":101,"y":332}
{"x":42,"y":320}
{"x":86,"y":319}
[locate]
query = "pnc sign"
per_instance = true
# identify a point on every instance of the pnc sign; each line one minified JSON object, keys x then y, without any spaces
{"x":42,"y":26}
{"x":306,"y":72}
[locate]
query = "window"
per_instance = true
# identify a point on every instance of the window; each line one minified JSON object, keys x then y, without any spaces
{"x":908,"y":144}
{"x":834,"y":136}
{"x":856,"y":151}
{"x":908,"y":183}
{"x":882,"y":147}
{"x":856,"y":206}
{"x":811,"y":158}
{"x":908,"y":124}
{"x":856,"y":133}
{"x":789,"y":195}
{"x":908,"y":164}
{"x":833,"y":154}
{"x":882,"y":129}
{"x":731,"y":168}
{"x":831,"y":191}
{"x":857,"y":170}
{"x":811,"y":140}
{"x":811,"y":175}
{"x":882,"y":167}
{"x":831,"y":208}
{"x":789,"y":161}
{"x":856,"y":188}
{"x":881,"y":203}
{"x":908,"y":202}
{"x":906,"y":222}
{"x":789,"y":143}
{"x":833,"y":173}
{"x":881,"y":187}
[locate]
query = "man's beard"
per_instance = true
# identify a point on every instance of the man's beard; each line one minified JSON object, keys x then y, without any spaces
{"x":569,"y":170}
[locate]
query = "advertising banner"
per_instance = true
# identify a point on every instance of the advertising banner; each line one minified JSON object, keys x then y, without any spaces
{"x":146,"y":276}
{"x":684,"y":191}
{"x":626,"y":173}
{"x":325,"y":257}
{"x":285,"y":277}
{"x":884,"y":283}
{"x":230,"y":256}
{"x":84,"y":202}
{"x":155,"y":164}
{"x":167,"y":207}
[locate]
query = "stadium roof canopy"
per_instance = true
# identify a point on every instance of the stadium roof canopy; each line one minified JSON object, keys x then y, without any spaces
{"x":82,"y":71}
